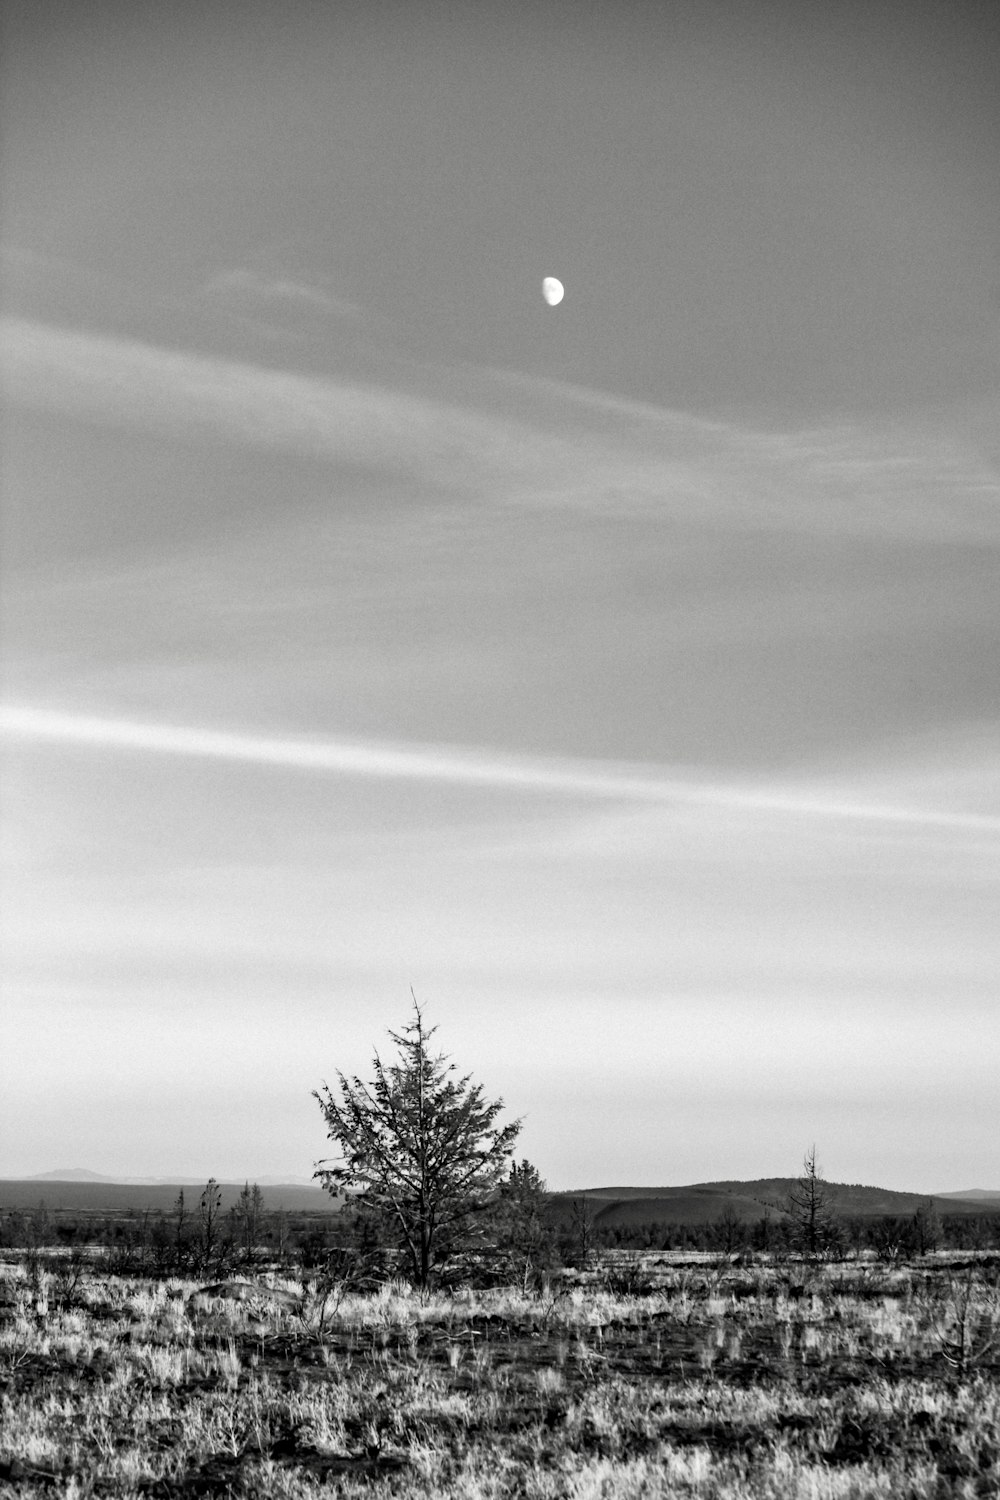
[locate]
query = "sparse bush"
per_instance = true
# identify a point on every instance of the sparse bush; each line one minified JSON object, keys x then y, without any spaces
{"x":968,"y":1325}
{"x":729,"y":1231}
{"x":627,"y":1276}
{"x":13,"y":1231}
{"x":67,"y":1276}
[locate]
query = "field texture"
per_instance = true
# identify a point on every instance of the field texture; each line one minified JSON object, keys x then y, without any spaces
{"x":709,"y":1381}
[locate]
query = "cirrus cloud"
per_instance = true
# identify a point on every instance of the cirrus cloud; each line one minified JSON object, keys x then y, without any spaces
{"x":637,"y":460}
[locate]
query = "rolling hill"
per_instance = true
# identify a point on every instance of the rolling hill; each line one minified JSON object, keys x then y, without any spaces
{"x":702,"y":1202}
{"x":982,"y":1196}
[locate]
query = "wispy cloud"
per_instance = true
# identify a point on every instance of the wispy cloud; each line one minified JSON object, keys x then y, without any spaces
{"x":254,"y":286}
{"x":128,"y":383}
{"x":623,"y":460}
{"x":455,"y":765}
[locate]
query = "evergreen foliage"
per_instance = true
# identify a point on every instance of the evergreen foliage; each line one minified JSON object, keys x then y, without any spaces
{"x":420,"y":1150}
{"x":525,"y":1236}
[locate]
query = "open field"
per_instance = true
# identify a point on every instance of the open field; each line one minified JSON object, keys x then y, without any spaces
{"x":641,"y":1378}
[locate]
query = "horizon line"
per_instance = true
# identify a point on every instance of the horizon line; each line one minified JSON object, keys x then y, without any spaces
{"x":295,"y":1180}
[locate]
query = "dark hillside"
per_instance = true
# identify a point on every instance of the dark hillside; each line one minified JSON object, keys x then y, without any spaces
{"x":703,"y":1202}
{"x":846,"y":1198}
{"x":659,"y":1206}
{"x":686,"y":1207}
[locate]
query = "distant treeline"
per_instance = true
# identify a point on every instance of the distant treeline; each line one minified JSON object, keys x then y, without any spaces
{"x":199,"y":1235}
{"x":195,"y":1235}
{"x":887,"y":1234}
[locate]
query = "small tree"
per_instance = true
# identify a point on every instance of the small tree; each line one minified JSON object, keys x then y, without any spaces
{"x":420,"y":1149}
{"x":209,"y":1217}
{"x":524,"y":1239}
{"x":927,"y":1227}
{"x":729,"y":1230}
{"x":40,"y":1226}
{"x":248,"y":1219}
{"x":578,"y":1241}
{"x":181,"y":1246}
{"x":808,"y":1208}
{"x":279,"y":1234}
{"x":763,"y":1233}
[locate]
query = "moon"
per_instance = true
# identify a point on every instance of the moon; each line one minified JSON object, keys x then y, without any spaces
{"x":553,"y":291}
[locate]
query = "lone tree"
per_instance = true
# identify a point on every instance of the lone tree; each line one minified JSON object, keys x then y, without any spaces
{"x":928,"y":1229}
{"x":814,"y":1225}
{"x":209,"y":1216}
{"x":420,"y":1149}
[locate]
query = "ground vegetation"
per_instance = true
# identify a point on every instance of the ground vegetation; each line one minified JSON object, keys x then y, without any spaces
{"x":652,"y":1376}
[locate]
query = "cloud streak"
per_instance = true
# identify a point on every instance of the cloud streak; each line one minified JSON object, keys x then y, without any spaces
{"x":460,"y":766}
{"x":573,"y":450}
{"x":251,"y":286}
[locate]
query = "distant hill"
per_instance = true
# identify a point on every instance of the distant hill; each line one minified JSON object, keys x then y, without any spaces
{"x":847,"y":1198}
{"x":702,"y":1202}
{"x":70,"y":1174}
{"x":84,"y":1174}
{"x":974,"y":1195}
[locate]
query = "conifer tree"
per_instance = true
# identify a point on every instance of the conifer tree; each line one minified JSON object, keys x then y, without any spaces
{"x":525,"y":1237}
{"x":420,"y":1150}
{"x":808,"y":1207}
{"x":927,"y":1227}
{"x":209,"y":1214}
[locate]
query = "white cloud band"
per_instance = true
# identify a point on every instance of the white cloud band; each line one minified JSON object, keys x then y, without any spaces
{"x":487,"y":769}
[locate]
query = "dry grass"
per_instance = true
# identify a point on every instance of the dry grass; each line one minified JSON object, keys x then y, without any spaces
{"x":829,"y":1383}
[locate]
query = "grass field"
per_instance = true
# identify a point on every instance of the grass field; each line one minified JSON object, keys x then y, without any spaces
{"x":706,"y":1380}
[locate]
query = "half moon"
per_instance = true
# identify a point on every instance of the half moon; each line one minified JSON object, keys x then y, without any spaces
{"x":553,"y":291}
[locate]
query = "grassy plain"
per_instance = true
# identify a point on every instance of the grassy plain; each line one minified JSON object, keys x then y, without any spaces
{"x":709,"y":1380}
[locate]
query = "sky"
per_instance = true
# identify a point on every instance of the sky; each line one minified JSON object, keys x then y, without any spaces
{"x":622,"y":678}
